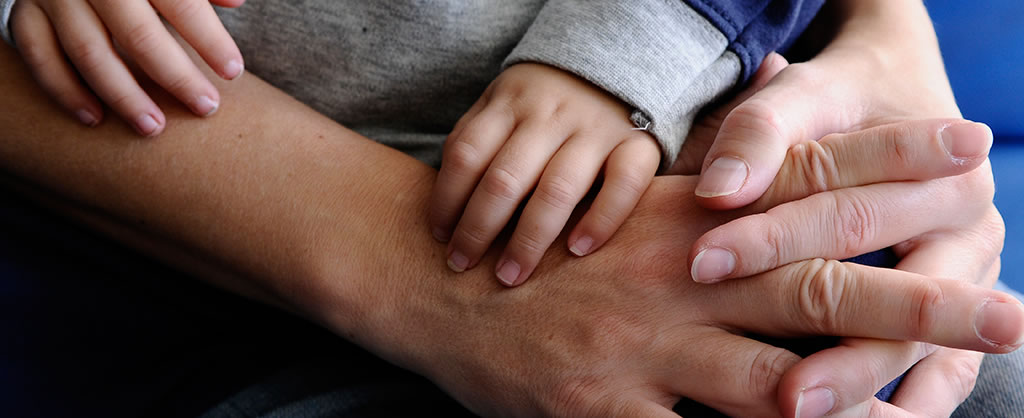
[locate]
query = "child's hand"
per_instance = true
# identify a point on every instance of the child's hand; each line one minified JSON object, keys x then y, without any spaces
{"x":538,"y":129}
{"x":64,"y":39}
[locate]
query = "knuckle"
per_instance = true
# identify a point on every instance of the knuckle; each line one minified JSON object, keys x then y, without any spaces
{"x":142,"y":39}
{"x":558,"y":192}
{"x":178,"y":83}
{"x":766,"y":371}
{"x":755,"y":117}
{"x":529,"y":242}
{"x":816,"y":164}
{"x":87,"y":56}
{"x":473,"y":234}
{"x":631,"y":181}
{"x":900,"y":145}
{"x":461,"y":157}
{"x":963,"y":375}
{"x":855,"y":220}
{"x":181,"y":9}
{"x":774,"y":237}
{"x":503,"y":184}
{"x":574,"y":397}
{"x":823,"y":288}
{"x":925,"y":299}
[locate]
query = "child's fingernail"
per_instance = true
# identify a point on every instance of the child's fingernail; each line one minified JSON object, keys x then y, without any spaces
{"x":234,"y":69}
{"x":86,"y":117}
{"x":723,"y":177}
{"x":712,"y":264}
{"x":206,"y":106}
{"x":815,"y":403}
{"x":1000,"y":323}
{"x":457,"y":262}
{"x":146,"y":125}
{"x":508,"y":272}
{"x":964,"y":141}
{"x":582,"y":246}
{"x":440,"y":234}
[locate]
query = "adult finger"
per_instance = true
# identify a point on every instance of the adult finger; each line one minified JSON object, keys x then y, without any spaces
{"x":87,"y":45}
{"x":565,"y":181}
{"x":467,"y":153}
{"x":819,"y":297}
{"x":702,"y":134}
{"x":859,"y":367}
{"x":733,"y":374}
{"x":628,"y":172}
{"x":911,"y":150}
{"x":138,"y":30}
{"x":798,"y":105}
{"x":199,"y":25}
{"x":512,"y":174}
{"x":837,"y":224}
{"x":41,"y":50}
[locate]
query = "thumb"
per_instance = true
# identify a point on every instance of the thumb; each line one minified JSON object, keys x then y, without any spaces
{"x":796,"y":106}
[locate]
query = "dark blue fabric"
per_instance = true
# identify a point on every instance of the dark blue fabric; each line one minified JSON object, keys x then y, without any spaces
{"x":756,"y":27}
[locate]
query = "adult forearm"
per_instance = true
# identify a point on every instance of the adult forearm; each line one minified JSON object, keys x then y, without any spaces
{"x":249,"y":193}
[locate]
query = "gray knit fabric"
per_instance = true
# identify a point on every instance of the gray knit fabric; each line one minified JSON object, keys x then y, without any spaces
{"x":5,"y":19}
{"x":402,"y":72}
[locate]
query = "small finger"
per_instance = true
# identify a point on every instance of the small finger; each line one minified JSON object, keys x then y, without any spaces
{"x":913,"y":150}
{"x":92,"y":53}
{"x":467,"y":153}
{"x":41,"y":50}
{"x":819,"y":297}
{"x":566,"y":179}
{"x":199,"y":25}
{"x":512,"y":174}
{"x":138,"y":29}
{"x":628,"y":172}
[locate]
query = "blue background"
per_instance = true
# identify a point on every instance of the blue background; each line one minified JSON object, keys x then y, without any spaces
{"x":983,"y":46}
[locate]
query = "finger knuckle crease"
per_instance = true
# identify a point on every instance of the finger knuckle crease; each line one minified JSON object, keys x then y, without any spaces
{"x":925,"y":300}
{"x":769,"y":365}
{"x":855,"y":222}
{"x":503,"y":184}
{"x":823,"y":288}
{"x":557,"y":191}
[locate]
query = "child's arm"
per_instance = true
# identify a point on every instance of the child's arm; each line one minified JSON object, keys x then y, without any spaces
{"x":538,"y":129}
{"x":66,"y":42}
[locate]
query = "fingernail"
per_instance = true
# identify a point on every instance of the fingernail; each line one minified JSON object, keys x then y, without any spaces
{"x":723,"y":177}
{"x":234,"y":69}
{"x":1000,"y":323}
{"x":712,"y":264}
{"x":86,"y":117}
{"x":440,"y":234}
{"x":508,"y":272}
{"x":965,"y":141}
{"x":815,"y":402}
{"x":457,"y":262}
{"x":146,"y":125}
{"x":582,"y":246}
{"x":206,"y":106}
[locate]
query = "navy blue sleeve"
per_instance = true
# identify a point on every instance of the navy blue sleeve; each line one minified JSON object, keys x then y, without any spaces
{"x":756,"y":27}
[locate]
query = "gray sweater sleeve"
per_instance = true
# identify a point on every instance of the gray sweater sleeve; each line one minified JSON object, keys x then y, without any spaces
{"x":5,"y":21}
{"x":659,"y":56}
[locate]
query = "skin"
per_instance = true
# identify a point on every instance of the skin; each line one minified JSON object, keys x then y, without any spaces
{"x":286,"y":206}
{"x":86,"y":31}
{"x":866,"y":77}
{"x":538,"y":136}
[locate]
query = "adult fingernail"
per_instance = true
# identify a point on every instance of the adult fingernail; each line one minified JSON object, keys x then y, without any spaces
{"x":457,"y":262}
{"x":86,"y":117}
{"x":234,"y":69}
{"x":712,"y":264}
{"x":146,"y":125}
{"x":206,"y":106}
{"x":1000,"y":323}
{"x":440,"y":234}
{"x":508,"y":272}
{"x":582,"y":246}
{"x":723,"y":177}
{"x":964,"y":141}
{"x":815,"y":402}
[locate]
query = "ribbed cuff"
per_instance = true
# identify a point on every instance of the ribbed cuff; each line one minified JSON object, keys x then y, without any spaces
{"x":661,"y":57}
{"x":5,"y":21}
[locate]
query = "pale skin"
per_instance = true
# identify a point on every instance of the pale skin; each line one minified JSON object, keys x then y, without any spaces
{"x":218,"y":206}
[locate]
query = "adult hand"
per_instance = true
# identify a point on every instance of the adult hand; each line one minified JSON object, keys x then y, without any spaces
{"x":837,"y":92}
{"x":624,"y":333}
